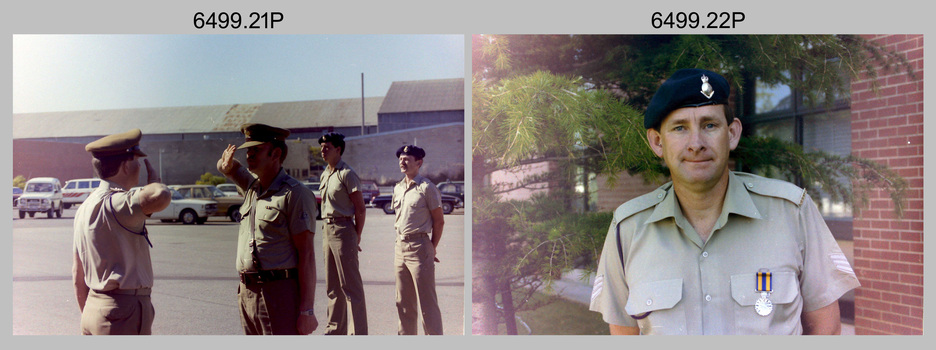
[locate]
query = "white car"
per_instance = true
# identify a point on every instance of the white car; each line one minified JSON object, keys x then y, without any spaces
{"x":229,"y":189}
{"x":76,"y":191}
{"x":42,"y":194}
{"x":188,"y":211}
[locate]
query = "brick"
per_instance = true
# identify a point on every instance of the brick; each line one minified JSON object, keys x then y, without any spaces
{"x":912,"y":279}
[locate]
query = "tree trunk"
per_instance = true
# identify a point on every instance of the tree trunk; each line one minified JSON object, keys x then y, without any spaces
{"x":510,"y":319}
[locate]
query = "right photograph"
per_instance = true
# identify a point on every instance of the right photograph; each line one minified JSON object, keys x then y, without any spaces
{"x":697,"y":184}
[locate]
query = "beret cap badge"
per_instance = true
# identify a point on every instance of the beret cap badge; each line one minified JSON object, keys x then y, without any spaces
{"x":707,"y":88}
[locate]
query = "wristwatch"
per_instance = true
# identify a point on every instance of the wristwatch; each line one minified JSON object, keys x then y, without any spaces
{"x":308,"y":312}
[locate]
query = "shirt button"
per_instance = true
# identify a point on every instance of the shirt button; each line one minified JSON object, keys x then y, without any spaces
{"x":750,"y":185}
{"x":704,"y":254}
{"x":660,"y":195}
{"x":708,"y":298}
{"x":649,"y":301}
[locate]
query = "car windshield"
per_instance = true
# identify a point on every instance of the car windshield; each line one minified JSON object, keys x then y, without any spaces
{"x":39,"y":187}
{"x":216,"y":192}
{"x":175,"y":194}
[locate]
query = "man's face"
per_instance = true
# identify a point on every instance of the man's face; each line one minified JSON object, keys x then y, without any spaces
{"x":409,"y":165}
{"x":695,"y":142}
{"x":259,"y":156}
{"x":330,"y":153}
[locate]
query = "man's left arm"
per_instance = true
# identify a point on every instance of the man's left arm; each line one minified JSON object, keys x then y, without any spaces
{"x":360,"y":212}
{"x":438,"y":221}
{"x":78,"y":278}
{"x":823,"y":321}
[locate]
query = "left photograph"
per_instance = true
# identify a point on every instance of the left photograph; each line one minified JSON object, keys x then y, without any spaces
{"x":238,"y":184}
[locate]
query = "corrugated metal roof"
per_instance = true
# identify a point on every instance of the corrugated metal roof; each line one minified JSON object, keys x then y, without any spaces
{"x":425,"y":96}
{"x":199,"y":119}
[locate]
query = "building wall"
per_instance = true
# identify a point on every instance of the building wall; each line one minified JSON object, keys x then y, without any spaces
{"x":64,"y":161}
{"x":373,"y":157}
{"x":625,"y":188}
{"x":887,"y":126}
{"x":400,"y":121}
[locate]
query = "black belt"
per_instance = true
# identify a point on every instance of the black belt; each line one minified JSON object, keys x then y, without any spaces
{"x":337,"y":219}
{"x":410,"y":236}
{"x":141,"y":291}
{"x":253,"y":277}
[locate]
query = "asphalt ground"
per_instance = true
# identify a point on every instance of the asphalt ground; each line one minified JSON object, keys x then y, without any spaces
{"x":195,"y":280}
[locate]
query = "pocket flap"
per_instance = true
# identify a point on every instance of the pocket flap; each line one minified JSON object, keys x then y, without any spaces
{"x":784,"y":284}
{"x":653,"y":296}
{"x":269,"y":215}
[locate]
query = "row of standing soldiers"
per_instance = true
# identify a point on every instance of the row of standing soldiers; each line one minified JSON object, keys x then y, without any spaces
{"x":113,"y":273}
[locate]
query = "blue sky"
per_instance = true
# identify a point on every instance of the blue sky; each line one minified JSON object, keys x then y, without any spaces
{"x":95,"y":72}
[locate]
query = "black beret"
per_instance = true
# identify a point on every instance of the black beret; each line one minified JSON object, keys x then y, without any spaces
{"x":411,"y":150}
{"x":690,"y":87}
{"x":117,"y":144}
{"x":258,"y":134}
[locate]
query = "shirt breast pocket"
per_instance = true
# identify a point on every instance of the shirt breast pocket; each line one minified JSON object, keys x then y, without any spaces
{"x":653,"y":305}
{"x":270,"y":217}
{"x":784,"y":314}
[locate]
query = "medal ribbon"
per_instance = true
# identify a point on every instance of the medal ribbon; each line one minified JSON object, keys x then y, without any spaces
{"x":764,"y":281}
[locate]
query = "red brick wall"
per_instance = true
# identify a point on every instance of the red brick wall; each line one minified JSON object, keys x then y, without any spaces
{"x":887,"y":126}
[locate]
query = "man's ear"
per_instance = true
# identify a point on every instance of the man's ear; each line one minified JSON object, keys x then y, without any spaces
{"x":655,"y":141}
{"x":734,"y":133}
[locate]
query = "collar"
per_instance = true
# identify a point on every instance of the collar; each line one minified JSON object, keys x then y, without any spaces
{"x":338,"y":166}
{"x":737,"y":201}
{"x":416,"y":181}
{"x":276,"y":184}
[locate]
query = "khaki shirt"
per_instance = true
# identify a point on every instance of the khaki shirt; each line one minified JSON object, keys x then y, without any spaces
{"x":285,"y":209}
{"x":655,"y":267}
{"x":336,"y":188}
{"x":413,"y":204}
{"x":112,"y":254}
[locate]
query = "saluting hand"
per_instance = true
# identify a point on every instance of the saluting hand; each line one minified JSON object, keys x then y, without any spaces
{"x":152,"y":176}
{"x":227,"y":160}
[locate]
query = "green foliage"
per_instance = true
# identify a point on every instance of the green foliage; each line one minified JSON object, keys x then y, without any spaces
{"x":847,"y":178}
{"x":19,"y":181}
{"x":315,"y":156}
{"x":211,"y":179}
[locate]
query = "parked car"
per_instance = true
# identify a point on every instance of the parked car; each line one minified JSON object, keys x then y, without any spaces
{"x":227,"y":205}
{"x":385,"y":202}
{"x":76,"y":191}
{"x":314,"y":186}
{"x":455,"y":189}
{"x":229,"y":189}
{"x":187,"y":211}
{"x":17,"y":192}
{"x":370,"y":190}
{"x":42,"y":194}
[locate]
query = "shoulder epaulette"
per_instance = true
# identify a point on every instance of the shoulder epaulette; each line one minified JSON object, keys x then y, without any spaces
{"x":772,"y":187}
{"x":641,"y":203}
{"x":292,"y":182}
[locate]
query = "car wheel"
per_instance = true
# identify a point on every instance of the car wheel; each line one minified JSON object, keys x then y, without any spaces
{"x":23,"y":214}
{"x":58,"y":214}
{"x":447,"y":207}
{"x":388,"y":208}
{"x":234,"y":213}
{"x":51,"y":211}
{"x":67,"y":205}
{"x":188,"y":216}
{"x":32,"y":214}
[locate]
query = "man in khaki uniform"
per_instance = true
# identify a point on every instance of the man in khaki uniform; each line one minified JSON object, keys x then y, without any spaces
{"x":112,"y":272}
{"x":716,"y":251}
{"x":343,"y":212}
{"x":275,"y":250}
{"x":417,"y":203}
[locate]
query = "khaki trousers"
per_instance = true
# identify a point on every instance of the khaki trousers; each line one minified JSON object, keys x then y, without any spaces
{"x":270,"y":308}
{"x":112,"y":314}
{"x":415,"y":284}
{"x":347,"y":313}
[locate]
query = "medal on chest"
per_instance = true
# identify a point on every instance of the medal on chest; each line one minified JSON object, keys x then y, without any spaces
{"x":763,"y":306}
